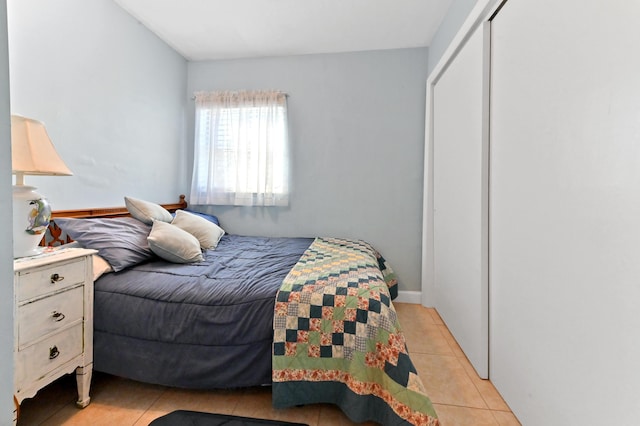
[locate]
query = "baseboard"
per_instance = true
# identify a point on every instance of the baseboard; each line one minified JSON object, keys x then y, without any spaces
{"x":409,"y":297}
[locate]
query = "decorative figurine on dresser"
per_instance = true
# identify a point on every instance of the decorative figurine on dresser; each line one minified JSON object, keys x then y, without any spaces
{"x":53,"y":311}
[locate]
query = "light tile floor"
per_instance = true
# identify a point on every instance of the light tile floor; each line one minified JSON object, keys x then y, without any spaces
{"x":459,"y":396}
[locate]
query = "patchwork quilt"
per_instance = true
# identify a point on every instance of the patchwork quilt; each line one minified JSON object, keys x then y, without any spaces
{"x":337,"y":338}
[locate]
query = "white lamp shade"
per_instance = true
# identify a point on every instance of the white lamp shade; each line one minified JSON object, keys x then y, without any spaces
{"x":32,"y":152}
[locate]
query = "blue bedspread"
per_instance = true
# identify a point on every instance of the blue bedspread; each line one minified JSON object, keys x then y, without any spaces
{"x":202,"y":325}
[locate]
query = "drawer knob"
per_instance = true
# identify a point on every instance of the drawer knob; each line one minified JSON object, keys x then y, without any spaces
{"x":53,"y":352}
{"x":58,"y":316}
{"x":56,"y":278}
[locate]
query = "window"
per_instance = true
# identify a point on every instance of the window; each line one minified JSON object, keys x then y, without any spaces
{"x":241,"y":149}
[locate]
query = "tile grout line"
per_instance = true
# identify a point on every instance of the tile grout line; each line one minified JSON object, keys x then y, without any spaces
{"x":472,"y":378}
{"x":318,"y":416}
{"x":493,"y":412}
{"x":150,"y":405}
{"x":494,"y":417}
{"x":460,"y":357}
{"x":465,"y":406}
{"x":60,"y":408}
{"x":457,"y":358}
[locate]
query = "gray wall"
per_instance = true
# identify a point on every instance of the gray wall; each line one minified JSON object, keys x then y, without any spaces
{"x":111,"y":94}
{"x":116,"y":102}
{"x":357,"y":141}
{"x":453,"y":20}
{"x":6,"y":251}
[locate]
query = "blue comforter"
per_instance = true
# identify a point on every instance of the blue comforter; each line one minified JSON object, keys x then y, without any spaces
{"x":201,"y":325}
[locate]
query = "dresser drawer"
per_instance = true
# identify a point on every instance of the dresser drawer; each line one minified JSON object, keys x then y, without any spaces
{"x":34,"y":362}
{"x":45,"y":316}
{"x":40,"y":281}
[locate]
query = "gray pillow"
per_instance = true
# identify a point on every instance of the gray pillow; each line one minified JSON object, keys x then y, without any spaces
{"x":173,"y":244}
{"x":120,"y":241}
{"x":146,"y":211}
{"x":207,"y":233}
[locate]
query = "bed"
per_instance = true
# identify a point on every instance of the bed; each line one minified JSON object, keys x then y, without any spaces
{"x":311,"y":317}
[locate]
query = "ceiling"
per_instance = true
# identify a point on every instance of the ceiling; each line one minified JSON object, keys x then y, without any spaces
{"x":224,"y":29}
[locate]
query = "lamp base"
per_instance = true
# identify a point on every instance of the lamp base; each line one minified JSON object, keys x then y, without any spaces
{"x":31,"y":216}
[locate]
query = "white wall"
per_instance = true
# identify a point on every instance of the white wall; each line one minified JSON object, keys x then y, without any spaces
{"x":6,"y":251}
{"x":453,"y":20}
{"x":357,"y":136}
{"x":565,"y":185}
{"x":111,"y":94}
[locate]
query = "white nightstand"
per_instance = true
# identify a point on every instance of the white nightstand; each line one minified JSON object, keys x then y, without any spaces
{"x":53,"y":311}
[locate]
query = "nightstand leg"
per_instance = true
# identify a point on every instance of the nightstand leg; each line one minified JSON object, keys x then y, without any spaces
{"x":83,"y":380}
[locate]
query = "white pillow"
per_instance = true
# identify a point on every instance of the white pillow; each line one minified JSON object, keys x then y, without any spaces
{"x":173,"y":244}
{"x":146,"y":211}
{"x":100,"y":266}
{"x":208,"y":233}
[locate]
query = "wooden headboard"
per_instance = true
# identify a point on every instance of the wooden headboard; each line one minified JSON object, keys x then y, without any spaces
{"x":54,"y":237}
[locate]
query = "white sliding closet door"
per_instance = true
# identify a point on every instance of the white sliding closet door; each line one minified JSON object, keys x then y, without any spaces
{"x":460,"y":199}
{"x":565,"y":211}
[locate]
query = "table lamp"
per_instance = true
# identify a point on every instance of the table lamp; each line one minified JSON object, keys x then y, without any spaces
{"x":32,"y":153}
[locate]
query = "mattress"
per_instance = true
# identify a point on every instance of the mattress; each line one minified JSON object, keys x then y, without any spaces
{"x":201,"y":325}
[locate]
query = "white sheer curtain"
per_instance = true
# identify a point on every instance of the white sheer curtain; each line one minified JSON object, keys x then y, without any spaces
{"x":241,"y":149}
